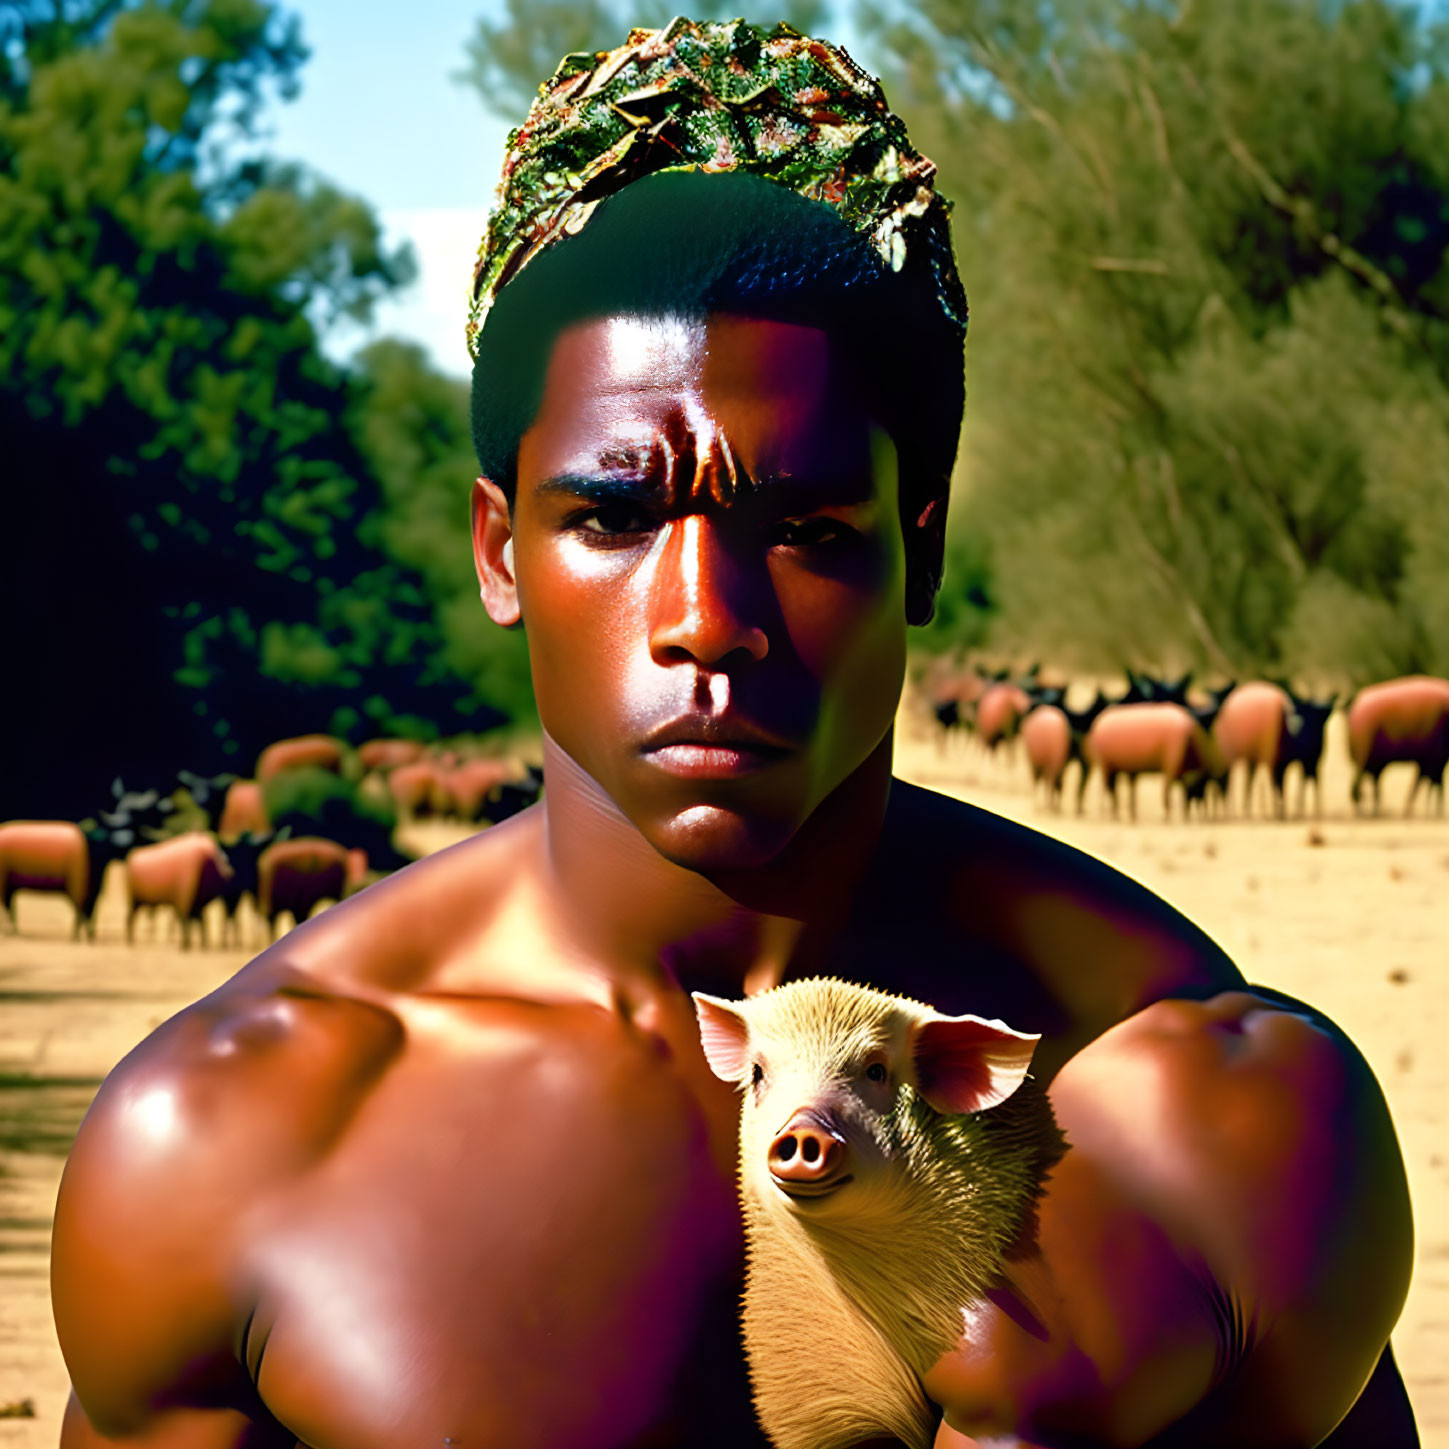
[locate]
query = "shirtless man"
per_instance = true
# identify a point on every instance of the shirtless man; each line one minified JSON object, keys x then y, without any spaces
{"x":447,"y":1166}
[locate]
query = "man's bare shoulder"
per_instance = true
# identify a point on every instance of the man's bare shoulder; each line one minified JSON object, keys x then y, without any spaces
{"x":191,"y":1139}
{"x":1284,"y":1176}
{"x":464,"y":910}
{"x":1223,"y":1247}
{"x":204,"y":1128}
{"x":260,"y":1074}
{"x":1100,"y":944}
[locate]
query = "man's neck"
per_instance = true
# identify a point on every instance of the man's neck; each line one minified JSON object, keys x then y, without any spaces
{"x":643,"y":918}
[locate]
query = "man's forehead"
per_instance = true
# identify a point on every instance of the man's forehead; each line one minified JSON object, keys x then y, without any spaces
{"x":626,"y":392}
{"x":622,"y":354}
{"x":626,"y":354}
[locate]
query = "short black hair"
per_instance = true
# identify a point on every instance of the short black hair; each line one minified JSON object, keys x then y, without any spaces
{"x":692,"y":243}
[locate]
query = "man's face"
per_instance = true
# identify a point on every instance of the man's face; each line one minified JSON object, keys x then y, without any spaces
{"x":711,"y":574}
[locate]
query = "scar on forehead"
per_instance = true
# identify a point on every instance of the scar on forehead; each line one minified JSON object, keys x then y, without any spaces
{"x":625,"y":459}
{"x":717,"y":475}
{"x":690,"y":455}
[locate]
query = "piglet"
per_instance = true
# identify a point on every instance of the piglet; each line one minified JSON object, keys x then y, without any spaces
{"x":889,"y":1156}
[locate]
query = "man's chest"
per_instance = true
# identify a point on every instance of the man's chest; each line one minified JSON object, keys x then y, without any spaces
{"x":538,"y":1245}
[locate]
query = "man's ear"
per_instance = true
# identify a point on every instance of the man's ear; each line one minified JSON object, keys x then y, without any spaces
{"x":925,"y":555}
{"x":493,"y":553}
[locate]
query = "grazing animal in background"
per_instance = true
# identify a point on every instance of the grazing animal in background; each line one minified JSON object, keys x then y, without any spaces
{"x":1079,"y":721}
{"x":55,"y":855}
{"x":244,"y":853}
{"x":1206,"y":704}
{"x":297,"y":875}
{"x":947,"y":710}
{"x":1052,"y":742}
{"x":1148,"y":689}
{"x":953,"y":695}
{"x":1266,"y":728}
{"x":970,"y":686}
{"x":388,"y":754}
{"x":1400,"y":721}
{"x":244,"y":811}
{"x":1204,"y":790}
{"x":208,"y":793}
{"x":467,"y":785}
{"x":1145,"y":739}
{"x":889,"y":1157}
{"x":1133,"y":694}
{"x":419,"y":789}
{"x":515,"y":795}
{"x":187,"y":873}
{"x":1303,"y":746}
{"x":1249,"y":730}
{"x":305,"y":752}
{"x":1047,"y":734}
{"x":999,"y":712}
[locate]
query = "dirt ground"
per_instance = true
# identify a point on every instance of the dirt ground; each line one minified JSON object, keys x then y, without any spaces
{"x":1351,"y":915}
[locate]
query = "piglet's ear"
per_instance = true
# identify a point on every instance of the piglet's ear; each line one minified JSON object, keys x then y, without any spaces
{"x":966,"y":1063}
{"x":724,"y":1035}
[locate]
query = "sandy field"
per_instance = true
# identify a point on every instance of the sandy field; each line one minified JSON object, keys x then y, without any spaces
{"x":1351,"y":915}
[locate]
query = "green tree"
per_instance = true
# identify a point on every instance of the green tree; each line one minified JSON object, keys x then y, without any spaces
{"x":413,"y":426}
{"x":509,"y":58}
{"x":195,"y":537}
{"x":1206,"y":252}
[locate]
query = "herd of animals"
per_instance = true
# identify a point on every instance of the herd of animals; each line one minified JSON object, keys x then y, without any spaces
{"x":210,"y":838}
{"x":1192,"y":739}
{"x":1197,"y":739}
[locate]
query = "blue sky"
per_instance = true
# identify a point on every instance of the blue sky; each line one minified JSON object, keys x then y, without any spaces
{"x":379,"y":115}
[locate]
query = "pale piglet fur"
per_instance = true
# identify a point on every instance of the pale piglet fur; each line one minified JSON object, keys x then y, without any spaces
{"x":938,"y":1142}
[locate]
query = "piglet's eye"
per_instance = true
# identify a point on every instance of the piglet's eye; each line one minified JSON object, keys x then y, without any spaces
{"x":875,"y":1072}
{"x":757,"y":1075}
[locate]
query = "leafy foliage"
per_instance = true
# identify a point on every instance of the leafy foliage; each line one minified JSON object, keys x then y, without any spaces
{"x":509,"y":58}
{"x":198,"y":540}
{"x":1206,"y":251}
{"x":1205,"y":247}
{"x":412,"y":424}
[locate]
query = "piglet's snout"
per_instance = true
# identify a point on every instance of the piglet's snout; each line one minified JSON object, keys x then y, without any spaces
{"x":808,"y":1155}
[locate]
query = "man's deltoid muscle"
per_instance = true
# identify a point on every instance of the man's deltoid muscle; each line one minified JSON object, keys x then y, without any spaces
{"x":449,"y":1165}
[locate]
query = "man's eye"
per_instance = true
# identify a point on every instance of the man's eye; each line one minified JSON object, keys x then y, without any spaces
{"x":613,"y":520}
{"x":811,"y":532}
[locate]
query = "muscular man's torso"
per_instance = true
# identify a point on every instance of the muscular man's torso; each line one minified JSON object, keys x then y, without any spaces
{"x":507,"y":1215}
{"x":525,"y":1230}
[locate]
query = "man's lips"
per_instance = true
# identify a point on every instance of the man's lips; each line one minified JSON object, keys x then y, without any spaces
{"x":714,"y":746}
{"x":729,"y":730}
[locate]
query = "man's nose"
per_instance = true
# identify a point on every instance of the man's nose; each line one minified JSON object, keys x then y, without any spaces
{"x":704,"y":604}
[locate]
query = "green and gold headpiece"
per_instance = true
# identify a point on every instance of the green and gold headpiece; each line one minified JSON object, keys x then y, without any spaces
{"x":714,"y":96}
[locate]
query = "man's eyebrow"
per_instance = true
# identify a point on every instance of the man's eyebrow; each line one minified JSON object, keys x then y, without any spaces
{"x":779,"y":492}
{"x":602,"y":487}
